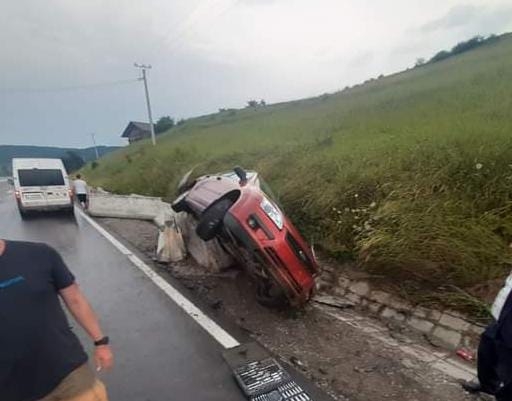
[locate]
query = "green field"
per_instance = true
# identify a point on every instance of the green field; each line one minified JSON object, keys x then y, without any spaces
{"x":409,"y":175}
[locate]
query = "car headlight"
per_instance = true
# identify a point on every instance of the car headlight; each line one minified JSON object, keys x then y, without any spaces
{"x":272,"y":212}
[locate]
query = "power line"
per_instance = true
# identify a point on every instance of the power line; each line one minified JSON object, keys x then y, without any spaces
{"x":68,"y":88}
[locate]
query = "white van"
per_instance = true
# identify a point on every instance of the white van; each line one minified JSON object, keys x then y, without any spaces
{"x":41,"y":184}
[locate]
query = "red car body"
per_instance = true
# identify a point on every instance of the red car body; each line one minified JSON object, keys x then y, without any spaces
{"x":285,"y":257}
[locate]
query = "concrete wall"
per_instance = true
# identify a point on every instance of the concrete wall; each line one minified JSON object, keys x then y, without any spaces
{"x":102,"y":204}
{"x":447,"y":328}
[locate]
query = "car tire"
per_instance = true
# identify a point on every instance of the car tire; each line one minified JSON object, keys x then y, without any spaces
{"x":180,"y":203}
{"x":270,"y":295}
{"x":70,"y":212}
{"x":23,"y":213}
{"x":211,"y":219}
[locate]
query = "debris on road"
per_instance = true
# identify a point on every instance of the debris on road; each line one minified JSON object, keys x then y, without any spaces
{"x":466,"y":354}
{"x":329,"y":341}
{"x":171,"y":246}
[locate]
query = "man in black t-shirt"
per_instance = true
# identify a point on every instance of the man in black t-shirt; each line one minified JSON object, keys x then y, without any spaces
{"x":40,"y":357}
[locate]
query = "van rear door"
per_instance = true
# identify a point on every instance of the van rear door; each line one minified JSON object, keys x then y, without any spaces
{"x":42,"y":187}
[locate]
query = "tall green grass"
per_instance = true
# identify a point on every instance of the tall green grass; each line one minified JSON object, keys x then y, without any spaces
{"x":409,"y":175}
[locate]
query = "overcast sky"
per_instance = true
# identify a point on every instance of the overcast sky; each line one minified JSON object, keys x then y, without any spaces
{"x":206,"y":54}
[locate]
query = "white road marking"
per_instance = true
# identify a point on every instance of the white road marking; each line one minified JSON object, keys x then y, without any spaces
{"x":223,"y":337}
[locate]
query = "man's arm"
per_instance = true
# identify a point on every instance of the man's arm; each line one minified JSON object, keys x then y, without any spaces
{"x":81,"y":310}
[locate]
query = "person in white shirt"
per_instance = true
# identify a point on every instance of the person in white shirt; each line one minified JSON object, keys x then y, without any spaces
{"x":80,"y":187}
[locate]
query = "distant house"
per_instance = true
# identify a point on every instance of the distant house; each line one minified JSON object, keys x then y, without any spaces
{"x":135,"y":131}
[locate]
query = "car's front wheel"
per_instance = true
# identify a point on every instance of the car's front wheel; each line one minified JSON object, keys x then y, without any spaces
{"x":211,"y":219}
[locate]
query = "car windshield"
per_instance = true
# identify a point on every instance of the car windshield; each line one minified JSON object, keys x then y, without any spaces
{"x":40,"y":177}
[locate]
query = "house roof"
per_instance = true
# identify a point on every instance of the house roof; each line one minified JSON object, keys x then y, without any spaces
{"x":135,"y":124}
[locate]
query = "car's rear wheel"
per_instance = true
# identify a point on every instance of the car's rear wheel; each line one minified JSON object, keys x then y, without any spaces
{"x":23,"y":213}
{"x":210,"y":222}
{"x":70,"y":212}
{"x":270,"y":295}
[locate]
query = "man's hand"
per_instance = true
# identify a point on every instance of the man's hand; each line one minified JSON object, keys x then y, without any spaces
{"x":103,"y":357}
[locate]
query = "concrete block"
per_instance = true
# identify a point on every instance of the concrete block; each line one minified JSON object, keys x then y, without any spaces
{"x":374,"y":307}
{"x":380,"y":296}
{"x":476,"y":329}
{"x":390,"y":313}
{"x":164,"y":216}
{"x":360,"y":288}
{"x":171,"y":246}
{"x":453,"y":322}
{"x":421,"y":325}
{"x":449,"y":338}
{"x":210,"y":254}
{"x":340,"y":292}
{"x":356,"y":299}
{"x":399,"y":304}
{"x":420,"y":312}
{"x":327,"y":276}
{"x":434,"y":315}
{"x":343,"y":282}
{"x":125,"y":206}
{"x":322,"y":285}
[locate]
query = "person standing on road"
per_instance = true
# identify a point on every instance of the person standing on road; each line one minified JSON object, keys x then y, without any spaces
{"x":495,"y":350}
{"x":41,"y":358}
{"x":80,"y":187}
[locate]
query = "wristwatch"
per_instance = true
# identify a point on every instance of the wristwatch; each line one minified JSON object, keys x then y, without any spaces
{"x":102,"y":341}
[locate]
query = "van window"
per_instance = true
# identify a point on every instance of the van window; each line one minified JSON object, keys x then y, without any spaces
{"x":40,"y":177}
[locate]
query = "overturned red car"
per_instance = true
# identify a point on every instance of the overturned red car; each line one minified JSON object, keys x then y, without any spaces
{"x":238,"y":208}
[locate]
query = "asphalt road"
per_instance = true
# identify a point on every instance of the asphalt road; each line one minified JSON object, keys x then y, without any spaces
{"x":161,"y":353}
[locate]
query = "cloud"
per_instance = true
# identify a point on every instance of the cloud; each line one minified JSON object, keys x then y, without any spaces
{"x":207,"y":54}
{"x":490,"y":17}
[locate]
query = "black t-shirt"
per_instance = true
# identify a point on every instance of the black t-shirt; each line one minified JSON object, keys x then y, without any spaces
{"x":37,"y":347}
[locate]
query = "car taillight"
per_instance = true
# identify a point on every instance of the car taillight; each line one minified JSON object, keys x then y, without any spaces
{"x":70,"y":193}
{"x":17,"y":194}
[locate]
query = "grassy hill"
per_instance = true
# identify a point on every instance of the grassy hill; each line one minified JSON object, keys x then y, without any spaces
{"x":410,"y":175}
{"x":7,"y":152}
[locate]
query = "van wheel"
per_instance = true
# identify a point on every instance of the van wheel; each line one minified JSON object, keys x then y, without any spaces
{"x":211,"y":219}
{"x":23,"y":213}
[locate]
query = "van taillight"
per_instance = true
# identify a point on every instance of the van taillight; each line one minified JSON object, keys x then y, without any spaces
{"x":17,"y":194}
{"x":70,"y":193}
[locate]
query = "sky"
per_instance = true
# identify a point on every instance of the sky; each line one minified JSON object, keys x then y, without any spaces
{"x":67,"y":67}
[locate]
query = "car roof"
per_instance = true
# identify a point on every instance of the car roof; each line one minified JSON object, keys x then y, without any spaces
{"x":29,"y":163}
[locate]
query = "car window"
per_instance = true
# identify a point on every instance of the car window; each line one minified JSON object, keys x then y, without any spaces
{"x":40,"y":177}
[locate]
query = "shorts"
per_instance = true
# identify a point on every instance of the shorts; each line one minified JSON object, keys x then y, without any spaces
{"x":79,"y":385}
{"x":82,"y":198}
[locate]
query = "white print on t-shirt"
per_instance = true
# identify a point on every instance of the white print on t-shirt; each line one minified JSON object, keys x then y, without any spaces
{"x":501,"y":298}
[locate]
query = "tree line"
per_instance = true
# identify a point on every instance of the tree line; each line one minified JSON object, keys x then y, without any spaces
{"x":459,"y":48}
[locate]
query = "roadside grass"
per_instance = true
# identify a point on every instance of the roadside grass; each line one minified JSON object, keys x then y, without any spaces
{"x":410,"y":175}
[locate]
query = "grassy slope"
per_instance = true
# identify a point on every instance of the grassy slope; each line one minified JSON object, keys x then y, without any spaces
{"x":387,"y":173}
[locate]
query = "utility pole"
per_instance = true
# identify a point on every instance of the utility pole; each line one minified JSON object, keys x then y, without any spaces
{"x":144,"y":68}
{"x":95,"y":146}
